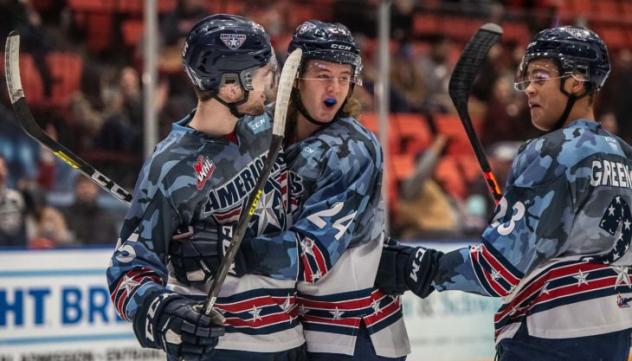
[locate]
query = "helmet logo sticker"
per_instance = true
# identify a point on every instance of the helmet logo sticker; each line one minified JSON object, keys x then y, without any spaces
{"x":579,"y":34}
{"x":307,"y":26}
{"x":341,"y":47}
{"x":233,"y":41}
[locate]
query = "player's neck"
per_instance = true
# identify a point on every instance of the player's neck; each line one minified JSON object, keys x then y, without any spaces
{"x":581,"y":110}
{"x":213,"y":118}
{"x":305,"y":128}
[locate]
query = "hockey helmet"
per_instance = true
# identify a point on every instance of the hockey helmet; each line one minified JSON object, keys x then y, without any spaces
{"x":332,"y":42}
{"x":576,"y":50}
{"x":225,"y":48}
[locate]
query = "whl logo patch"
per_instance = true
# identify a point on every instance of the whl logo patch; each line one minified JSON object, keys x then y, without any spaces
{"x":203,"y":171}
{"x":233,"y":41}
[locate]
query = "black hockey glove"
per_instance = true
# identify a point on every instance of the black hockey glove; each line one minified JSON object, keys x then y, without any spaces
{"x":176,"y":324}
{"x":197,"y":253}
{"x":404,"y":268}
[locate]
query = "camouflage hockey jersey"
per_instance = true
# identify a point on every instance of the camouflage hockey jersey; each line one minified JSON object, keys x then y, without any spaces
{"x":197,"y":180}
{"x":338,"y":219}
{"x":557,"y":250}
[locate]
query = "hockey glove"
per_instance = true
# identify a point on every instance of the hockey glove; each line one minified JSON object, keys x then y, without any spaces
{"x":404,"y":268}
{"x":176,"y":324}
{"x":197,"y":253}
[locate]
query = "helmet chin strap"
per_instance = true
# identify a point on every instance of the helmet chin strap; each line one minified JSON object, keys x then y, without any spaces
{"x":572,"y":98}
{"x":233,"y":106}
{"x":301,"y":109}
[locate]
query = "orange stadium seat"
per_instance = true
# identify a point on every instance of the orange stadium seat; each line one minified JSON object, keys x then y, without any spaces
{"x":469,"y":166}
{"x":414,"y":132}
{"x":450,"y":125}
{"x":450,"y":178}
{"x":515,"y":31}
{"x":403,"y":166}
{"x":424,"y":24}
{"x":607,"y":8}
{"x":132,"y":32}
{"x":92,"y":5}
{"x":65,"y":69}
{"x":583,"y":7}
{"x":616,"y":37}
{"x":371,"y":122}
{"x":31,"y":79}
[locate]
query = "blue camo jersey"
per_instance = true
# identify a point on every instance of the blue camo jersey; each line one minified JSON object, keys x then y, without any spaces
{"x":337,"y":216}
{"x":197,"y":180}
{"x":557,"y":249}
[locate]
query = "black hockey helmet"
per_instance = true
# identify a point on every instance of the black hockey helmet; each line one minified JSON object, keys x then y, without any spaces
{"x":576,"y":50}
{"x":225,"y":48}
{"x":331,"y":42}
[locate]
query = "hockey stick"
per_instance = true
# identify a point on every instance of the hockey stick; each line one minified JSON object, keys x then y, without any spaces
{"x":460,"y":87}
{"x":30,"y":126}
{"x":286,"y":82}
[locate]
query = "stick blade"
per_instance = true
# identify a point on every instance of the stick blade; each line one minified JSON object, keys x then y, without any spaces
{"x":471,"y":59}
{"x":286,"y":82}
{"x":12,"y":67}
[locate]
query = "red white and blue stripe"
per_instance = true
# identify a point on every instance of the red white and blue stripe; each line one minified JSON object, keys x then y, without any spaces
{"x":563,"y":284}
{"x":494,"y":273}
{"x":343,"y":313}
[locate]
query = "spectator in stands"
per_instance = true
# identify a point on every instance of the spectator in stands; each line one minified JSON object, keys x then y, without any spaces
{"x":88,"y":221}
{"x":20,"y":152}
{"x":50,"y":230}
{"x":424,"y":209}
{"x":12,"y":211}
{"x":407,"y":82}
{"x":435,"y":70}
{"x":21,"y":16}
{"x":506,"y":117}
{"x":616,"y":96}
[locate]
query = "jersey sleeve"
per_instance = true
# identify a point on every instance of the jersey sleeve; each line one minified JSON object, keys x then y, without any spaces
{"x":138,"y":266}
{"x":327,"y":223}
{"x":531,"y":224}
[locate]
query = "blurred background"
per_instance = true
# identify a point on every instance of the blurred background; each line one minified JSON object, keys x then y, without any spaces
{"x":82,"y":65}
{"x":86,"y":79}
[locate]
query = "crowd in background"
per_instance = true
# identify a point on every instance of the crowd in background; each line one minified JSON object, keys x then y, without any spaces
{"x":44,"y":203}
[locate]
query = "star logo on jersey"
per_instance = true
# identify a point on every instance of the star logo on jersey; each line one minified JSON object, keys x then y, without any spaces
{"x":622,"y":276}
{"x":233,"y":41}
{"x":129,"y":283}
{"x":266,"y":212}
{"x":256,"y":313}
{"x":203,"y":168}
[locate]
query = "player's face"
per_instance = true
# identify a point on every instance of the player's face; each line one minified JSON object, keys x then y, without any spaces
{"x":324,"y":87}
{"x":545,"y":99}
{"x":263,"y":81}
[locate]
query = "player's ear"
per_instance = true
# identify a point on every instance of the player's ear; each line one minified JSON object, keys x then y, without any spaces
{"x":577,"y":84}
{"x":230,"y":92}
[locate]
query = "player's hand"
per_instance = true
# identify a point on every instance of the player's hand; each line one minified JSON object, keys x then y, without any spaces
{"x":197,"y":253}
{"x":177,"y":325}
{"x":404,"y":268}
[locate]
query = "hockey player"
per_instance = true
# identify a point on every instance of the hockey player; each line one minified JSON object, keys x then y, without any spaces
{"x":199,"y":177}
{"x":558,"y":248}
{"x":339,"y":216}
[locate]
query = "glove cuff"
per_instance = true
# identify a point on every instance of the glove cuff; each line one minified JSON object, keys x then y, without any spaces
{"x":147,"y":317}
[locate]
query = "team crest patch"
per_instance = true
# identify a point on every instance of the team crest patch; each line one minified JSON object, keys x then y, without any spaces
{"x":203,"y":171}
{"x":233,"y":41}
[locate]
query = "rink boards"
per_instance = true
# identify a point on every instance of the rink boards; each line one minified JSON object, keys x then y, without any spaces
{"x":54,"y":305}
